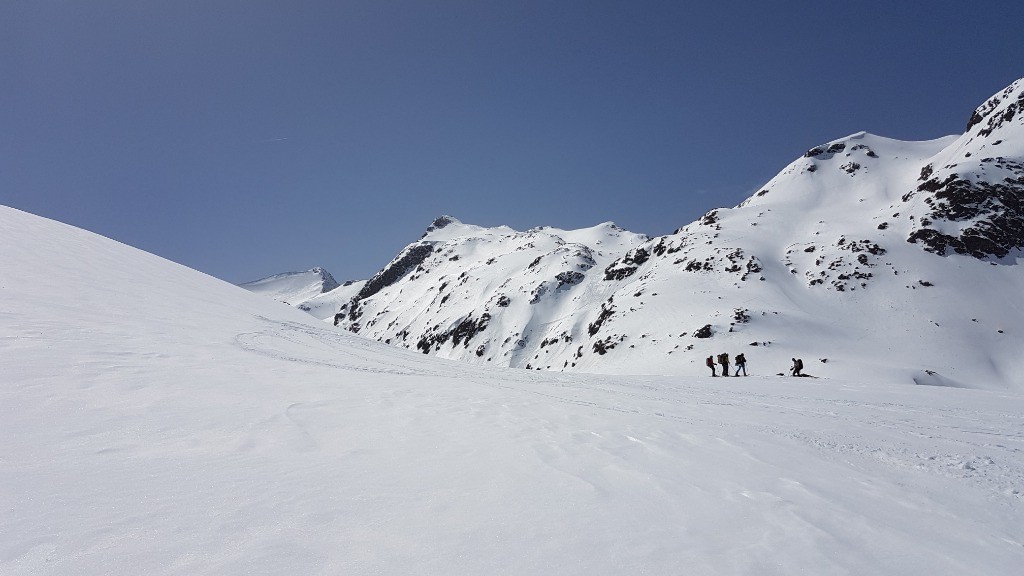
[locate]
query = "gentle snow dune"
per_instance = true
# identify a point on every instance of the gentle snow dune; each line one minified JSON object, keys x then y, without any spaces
{"x":154,"y":420}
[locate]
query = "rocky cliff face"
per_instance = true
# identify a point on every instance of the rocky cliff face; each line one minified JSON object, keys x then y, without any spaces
{"x":975,"y":198}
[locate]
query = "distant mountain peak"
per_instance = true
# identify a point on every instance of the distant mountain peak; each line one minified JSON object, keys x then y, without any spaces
{"x":441,"y":222}
{"x":329,"y":283}
{"x":294,"y":287}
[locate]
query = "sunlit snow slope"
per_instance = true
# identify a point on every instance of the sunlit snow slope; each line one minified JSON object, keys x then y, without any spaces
{"x":866,"y":256}
{"x":294,"y":286}
{"x":314,"y":291}
{"x":154,"y":420}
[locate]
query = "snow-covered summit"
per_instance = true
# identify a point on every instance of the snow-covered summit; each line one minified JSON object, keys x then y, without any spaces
{"x":482,"y":268}
{"x":294,"y":287}
{"x":1003,"y":110}
{"x":969,"y":198}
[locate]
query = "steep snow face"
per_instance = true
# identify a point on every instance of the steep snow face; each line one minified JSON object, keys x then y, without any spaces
{"x":865,"y":256}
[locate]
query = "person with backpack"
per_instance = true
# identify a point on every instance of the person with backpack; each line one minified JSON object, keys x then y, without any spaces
{"x":723,"y":359}
{"x":798,"y":365}
{"x":711,"y":364}
{"x":741,"y":364}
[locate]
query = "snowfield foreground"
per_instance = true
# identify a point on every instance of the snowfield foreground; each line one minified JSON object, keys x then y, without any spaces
{"x":154,"y":420}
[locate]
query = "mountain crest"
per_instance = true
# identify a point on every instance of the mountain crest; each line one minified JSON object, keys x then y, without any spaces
{"x":329,"y":283}
{"x":999,"y":110}
{"x":972,"y":195}
{"x":439,"y":223}
{"x":294,"y":287}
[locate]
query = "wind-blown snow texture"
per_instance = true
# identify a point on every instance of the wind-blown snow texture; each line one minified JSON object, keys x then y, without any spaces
{"x":154,"y":420}
{"x":866,"y":257}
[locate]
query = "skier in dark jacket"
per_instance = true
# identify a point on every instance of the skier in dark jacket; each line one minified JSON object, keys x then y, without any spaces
{"x":741,"y":364}
{"x":798,"y":365}
{"x":723,"y":359}
{"x":711,"y":364}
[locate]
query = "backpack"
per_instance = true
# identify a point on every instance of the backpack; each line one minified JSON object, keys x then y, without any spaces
{"x":711,"y":362}
{"x":740,"y":359}
{"x":723,"y":358}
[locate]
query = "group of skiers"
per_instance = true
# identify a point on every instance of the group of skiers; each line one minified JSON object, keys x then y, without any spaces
{"x":741,"y":365}
{"x":723,"y":360}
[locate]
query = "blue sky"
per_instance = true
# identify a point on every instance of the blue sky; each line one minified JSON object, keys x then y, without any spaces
{"x":249,"y":138}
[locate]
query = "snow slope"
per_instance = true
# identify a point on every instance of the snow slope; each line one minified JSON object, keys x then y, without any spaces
{"x":314,"y":291}
{"x":294,"y":287}
{"x":154,"y":420}
{"x":866,"y":257}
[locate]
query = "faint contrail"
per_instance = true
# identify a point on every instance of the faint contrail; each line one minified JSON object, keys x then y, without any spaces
{"x":271,"y":140}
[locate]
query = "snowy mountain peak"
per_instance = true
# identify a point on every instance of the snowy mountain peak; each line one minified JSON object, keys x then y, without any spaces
{"x":441,"y":222}
{"x":969,"y":198}
{"x":294,"y":287}
{"x":444,"y":228}
{"x":329,"y":283}
{"x":998,"y":111}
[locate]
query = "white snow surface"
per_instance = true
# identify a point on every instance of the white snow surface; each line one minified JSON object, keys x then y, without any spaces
{"x":154,"y":420}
